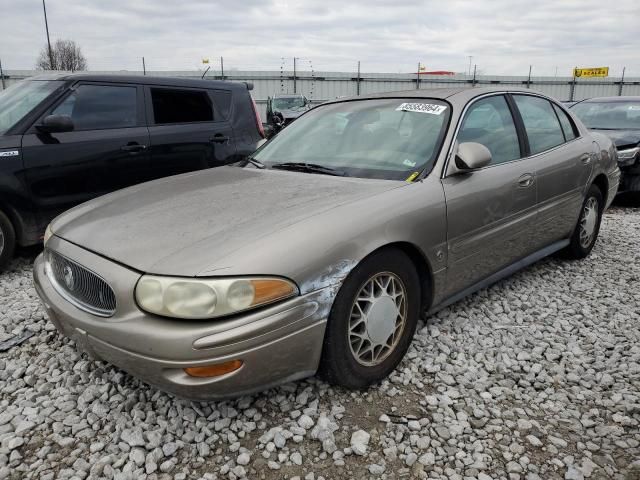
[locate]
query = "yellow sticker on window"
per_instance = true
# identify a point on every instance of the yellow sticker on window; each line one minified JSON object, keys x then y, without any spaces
{"x":412,"y":177}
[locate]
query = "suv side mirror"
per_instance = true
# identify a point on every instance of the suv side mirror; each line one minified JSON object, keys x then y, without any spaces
{"x":56,"y":124}
{"x":472,"y":155}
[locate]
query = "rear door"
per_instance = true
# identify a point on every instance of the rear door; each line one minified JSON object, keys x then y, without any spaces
{"x":189,"y":129}
{"x":563,"y":162}
{"x":490,"y":211}
{"x":106,"y":151}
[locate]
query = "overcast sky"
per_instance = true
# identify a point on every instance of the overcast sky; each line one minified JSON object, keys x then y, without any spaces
{"x":503,"y":36}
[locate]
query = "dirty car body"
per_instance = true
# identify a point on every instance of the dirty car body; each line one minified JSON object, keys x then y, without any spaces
{"x":392,"y":178}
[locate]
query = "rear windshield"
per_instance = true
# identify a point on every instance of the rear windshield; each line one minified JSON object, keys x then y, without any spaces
{"x":609,"y":115}
{"x":19,"y":99}
{"x":391,"y":139}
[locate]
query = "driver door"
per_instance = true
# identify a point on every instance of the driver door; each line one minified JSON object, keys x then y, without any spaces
{"x":490,"y":211}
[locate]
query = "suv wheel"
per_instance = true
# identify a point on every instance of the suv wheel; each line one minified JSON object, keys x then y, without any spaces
{"x":7,"y":240}
{"x":372,"y":321}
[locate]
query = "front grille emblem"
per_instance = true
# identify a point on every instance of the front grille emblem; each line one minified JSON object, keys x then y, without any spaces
{"x":69,"y":281}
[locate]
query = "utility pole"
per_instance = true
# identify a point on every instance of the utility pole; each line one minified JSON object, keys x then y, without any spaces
{"x":418,"y":77}
{"x":474,"y":75}
{"x":573,"y":85}
{"x":470,"y":58}
{"x":46,"y":26}
{"x":294,"y":75}
{"x":621,"y":82}
{"x":2,"y":75}
{"x":529,"y":78}
{"x":144,"y":67}
{"x":358,"y":80}
{"x":222,"y":68}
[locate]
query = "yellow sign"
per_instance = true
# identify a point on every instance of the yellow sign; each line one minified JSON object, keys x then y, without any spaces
{"x":591,"y":72}
{"x":205,"y":60}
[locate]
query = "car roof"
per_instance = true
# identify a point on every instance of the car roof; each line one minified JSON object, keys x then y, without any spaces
{"x":142,"y":79}
{"x":456,"y":95}
{"x":611,"y":99}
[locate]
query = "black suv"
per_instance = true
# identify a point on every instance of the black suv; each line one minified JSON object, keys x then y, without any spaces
{"x":66,"y":139}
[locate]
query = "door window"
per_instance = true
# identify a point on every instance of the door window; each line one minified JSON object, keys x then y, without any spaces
{"x":567,"y":125}
{"x":181,"y":106}
{"x":540,"y":122}
{"x":490,"y":123}
{"x":95,"y":107}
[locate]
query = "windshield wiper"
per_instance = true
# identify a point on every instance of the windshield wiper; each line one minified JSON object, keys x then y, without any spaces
{"x":308,"y":167}
{"x":605,"y":128}
{"x":255,"y":163}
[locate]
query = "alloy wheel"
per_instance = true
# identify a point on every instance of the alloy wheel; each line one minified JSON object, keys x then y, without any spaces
{"x":378,"y":318}
{"x":588,"y":222}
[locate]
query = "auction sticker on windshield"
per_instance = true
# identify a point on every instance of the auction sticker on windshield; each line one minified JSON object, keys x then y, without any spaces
{"x":422,"y":108}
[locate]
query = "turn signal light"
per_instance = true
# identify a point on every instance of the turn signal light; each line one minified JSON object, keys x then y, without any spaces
{"x":215,"y":370}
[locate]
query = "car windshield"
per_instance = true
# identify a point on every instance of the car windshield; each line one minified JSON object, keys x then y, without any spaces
{"x":288,"y":103}
{"x":392,"y":139}
{"x":19,"y":99}
{"x":622,"y":115}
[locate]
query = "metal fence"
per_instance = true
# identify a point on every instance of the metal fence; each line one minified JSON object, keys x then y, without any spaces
{"x":323,"y":86}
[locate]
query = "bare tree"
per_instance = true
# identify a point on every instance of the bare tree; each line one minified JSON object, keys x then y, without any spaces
{"x":66,"y":55}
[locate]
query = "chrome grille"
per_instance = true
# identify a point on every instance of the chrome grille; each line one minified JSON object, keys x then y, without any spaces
{"x":80,"y":286}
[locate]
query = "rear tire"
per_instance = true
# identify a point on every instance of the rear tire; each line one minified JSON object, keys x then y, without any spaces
{"x":7,"y":241}
{"x":372,"y":320}
{"x":586,"y":232}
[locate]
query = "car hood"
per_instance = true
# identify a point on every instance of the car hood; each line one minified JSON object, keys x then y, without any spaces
{"x":622,"y":138}
{"x":184,"y":224}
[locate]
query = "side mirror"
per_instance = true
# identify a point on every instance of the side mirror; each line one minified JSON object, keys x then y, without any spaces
{"x":55,"y":124}
{"x":269,"y":131}
{"x":472,"y":156}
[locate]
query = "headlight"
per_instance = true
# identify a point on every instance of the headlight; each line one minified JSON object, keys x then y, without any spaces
{"x":208,"y":298}
{"x":627,"y":156}
{"x":47,"y":234}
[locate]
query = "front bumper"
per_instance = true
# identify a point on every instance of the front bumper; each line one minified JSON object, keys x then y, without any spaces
{"x":276,"y":344}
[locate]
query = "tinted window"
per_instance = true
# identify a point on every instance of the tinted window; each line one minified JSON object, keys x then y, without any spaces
{"x":567,"y":125}
{"x":540,"y":122}
{"x":489,"y":122}
{"x":181,"y":106}
{"x":93,"y":107}
{"x":222,"y":101}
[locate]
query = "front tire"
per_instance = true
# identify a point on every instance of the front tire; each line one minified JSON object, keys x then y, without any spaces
{"x":7,"y":241}
{"x":372,"y":320}
{"x":586,"y":232}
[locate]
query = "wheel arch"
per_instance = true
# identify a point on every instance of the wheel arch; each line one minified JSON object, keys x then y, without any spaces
{"x":422,"y":265}
{"x":602,"y":182}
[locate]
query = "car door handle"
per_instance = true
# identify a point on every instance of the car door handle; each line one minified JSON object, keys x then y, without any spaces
{"x":133,"y":147}
{"x":586,"y":158}
{"x":526,"y":180}
{"x":219,"y":139}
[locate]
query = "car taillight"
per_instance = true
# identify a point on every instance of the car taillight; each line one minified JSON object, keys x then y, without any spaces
{"x":258,"y":119}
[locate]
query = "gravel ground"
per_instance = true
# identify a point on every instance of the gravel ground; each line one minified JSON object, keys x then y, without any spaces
{"x":537,"y":377}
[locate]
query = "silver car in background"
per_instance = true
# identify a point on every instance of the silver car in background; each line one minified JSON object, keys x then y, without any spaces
{"x":320,"y":253}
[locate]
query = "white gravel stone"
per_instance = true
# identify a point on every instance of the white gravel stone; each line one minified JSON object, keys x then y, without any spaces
{"x":532,"y":378}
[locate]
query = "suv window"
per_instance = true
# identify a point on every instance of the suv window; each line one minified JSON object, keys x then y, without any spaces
{"x":540,"y":122}
{"x":490,"y":123}
{"x":181,"y":106}
{"x":567,"y":125}
{"x":94,"y":107}
{"x":222,"y":101}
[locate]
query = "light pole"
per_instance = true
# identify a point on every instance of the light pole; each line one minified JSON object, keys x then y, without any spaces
{"x":46,"y":26}
{"x":470,"y":58}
